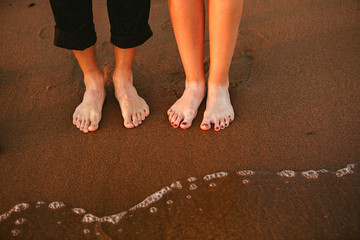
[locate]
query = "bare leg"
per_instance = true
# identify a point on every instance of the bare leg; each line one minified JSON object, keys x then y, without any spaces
{"x":224,"y":21}
{"x":133,"y":108}
{"x":188,"y":22}
{"x":88,"y":114}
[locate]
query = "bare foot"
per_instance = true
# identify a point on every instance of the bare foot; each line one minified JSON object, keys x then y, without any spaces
{"x":219,"y":110}
{"x":133,"y":108}
{"x":88,"y":114}
{"x":185,"y":109}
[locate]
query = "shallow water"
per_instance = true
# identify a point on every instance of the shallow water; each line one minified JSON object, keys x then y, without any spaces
{"x":311,"y":204}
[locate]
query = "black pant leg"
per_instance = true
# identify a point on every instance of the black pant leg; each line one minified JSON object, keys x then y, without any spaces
{"x":129,"y":22}
{"x":74,"y":24}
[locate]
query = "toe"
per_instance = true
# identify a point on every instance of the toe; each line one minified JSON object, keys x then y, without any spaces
{"x":135,"y":120}
{"x":142,"y":116}
{"x":186,"y":123}
{"x":227,"y":121}
{"x":147,"y":111}
{"x":169,"y":111}
{"x":86,"y":127}
{"x":78,"y":123}
{"x":217,"y":124}
{"x":128,"y":124}
{"x":205,"y":125}
{"x":231,"y":118}
{"x":93,"y":126}
{"x":127,"y":121}
{"x":222,"y":123}
{"x":138,"y":115}
{"x":82,"y":124}
{"x":173,"y":118}
{"x":177,"y":121}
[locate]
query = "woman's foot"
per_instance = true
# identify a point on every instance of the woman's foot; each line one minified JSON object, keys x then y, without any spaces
{"x":184,"y":110}
{"x":219,"y":110}
{"x":133,"y":108}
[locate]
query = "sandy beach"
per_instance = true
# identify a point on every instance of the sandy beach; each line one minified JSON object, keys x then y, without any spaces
{"x":294,"y":86}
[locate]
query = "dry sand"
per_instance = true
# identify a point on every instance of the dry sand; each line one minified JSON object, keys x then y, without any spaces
{"x":295,"y":92}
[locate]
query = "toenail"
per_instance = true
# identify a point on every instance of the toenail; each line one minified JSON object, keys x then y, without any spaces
{"x":175,"y":125}
{"x":184,"y":123}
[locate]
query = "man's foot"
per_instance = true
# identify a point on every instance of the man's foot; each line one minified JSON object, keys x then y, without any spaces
{"x":133,"y":108}
{"x":88,"y":114}
{"x":185,"y":109}
{"x":219,"y":110}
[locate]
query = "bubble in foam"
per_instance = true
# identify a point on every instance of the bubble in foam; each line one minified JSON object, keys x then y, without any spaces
{"x":286,"y":173}
{"x":170,"y":202}
{"x":212,"y":184}
{"x":86,"y":231}
{"x":153,"y":209}
{"x":59,"y":222}
{"x":20,"y":221}
{"x":344,"y":171}
{"x":192,"y":187}
{"x":191,"y":179}
{"x":215,"y":175}
{"x":176,"y":184}
{"x":120,"y":230}
{"x":5,"y":216}
{"x":39,"y":203}
{"x":15,"y":232}
{"x":245,"y":173}
{"x":97,"y":234}
{"x":56,"y":205}
{"x":322,"y":171}
{"x":113,"y":218}
{"x":20,"y":207}
{"x":311,"y":174}
{"x":89,"y":218}
{"x":351,"y":165}
{"x":188,"y":196}
{"x":245,"y":181}
{"x":78,"y":211}
{"x":152,"y":198}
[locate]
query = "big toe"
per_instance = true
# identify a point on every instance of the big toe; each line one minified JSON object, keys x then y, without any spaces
{"x":93,"y":126}
{"x":127,"y":121}
{"x":186,"y":123}
{"x":205,"y":125}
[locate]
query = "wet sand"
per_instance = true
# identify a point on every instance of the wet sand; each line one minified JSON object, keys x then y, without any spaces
{"x":295,"y":92}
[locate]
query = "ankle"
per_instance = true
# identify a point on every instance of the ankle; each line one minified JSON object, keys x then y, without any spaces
{"x":94,"y":81}
{"x":123,"y":78}
{"x":195,"y":85}
{"x":218,"y":79}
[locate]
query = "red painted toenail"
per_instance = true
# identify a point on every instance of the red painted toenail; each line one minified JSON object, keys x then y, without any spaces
{"x":184,"y":123}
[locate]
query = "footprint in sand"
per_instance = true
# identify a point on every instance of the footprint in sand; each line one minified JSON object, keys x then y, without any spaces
{"x":167,"y":26}
{"x":246,"y":55}
{"x":46,"y":32}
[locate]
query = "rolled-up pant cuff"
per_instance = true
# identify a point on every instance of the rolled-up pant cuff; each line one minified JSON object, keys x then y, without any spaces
{"x":131,"y":41}
{"x":74,"y":41}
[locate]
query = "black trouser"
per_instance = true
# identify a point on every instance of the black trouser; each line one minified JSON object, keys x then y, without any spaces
{"x":75,"y":27}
